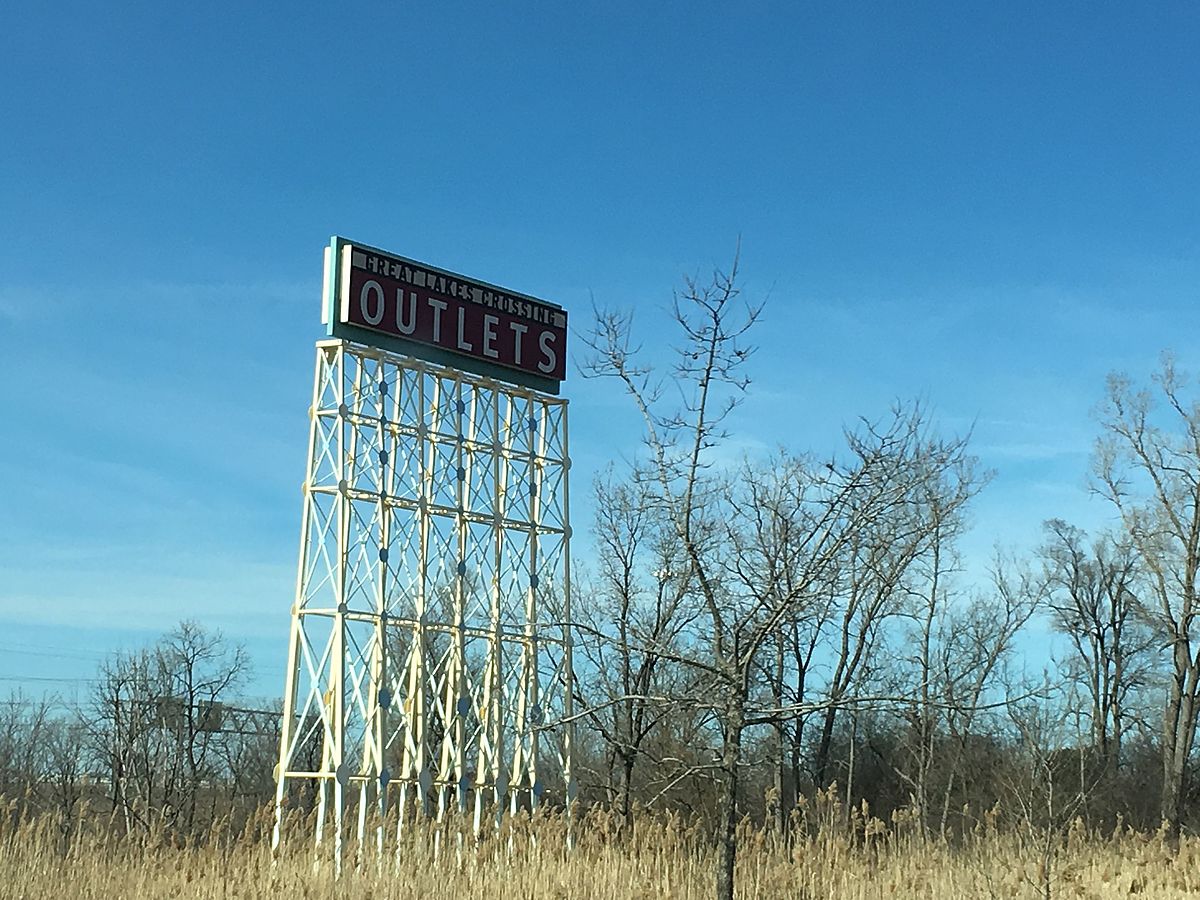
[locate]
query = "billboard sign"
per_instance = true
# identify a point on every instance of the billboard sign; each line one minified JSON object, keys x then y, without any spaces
{"x":400,"y":304}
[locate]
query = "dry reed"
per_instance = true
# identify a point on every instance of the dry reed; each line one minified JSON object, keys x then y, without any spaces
{"x":833,"y":855}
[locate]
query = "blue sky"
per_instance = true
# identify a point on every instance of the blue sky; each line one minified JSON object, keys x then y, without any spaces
{"x":988,"y":206}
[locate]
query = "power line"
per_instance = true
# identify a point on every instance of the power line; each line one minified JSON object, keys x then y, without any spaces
{"x":40,"y":649}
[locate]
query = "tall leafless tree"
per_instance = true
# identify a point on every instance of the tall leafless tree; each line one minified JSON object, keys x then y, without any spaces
{"x":156,"y":719}
{"x":1094,"y":602}
{"x":1147,"y":463}
{"x":1043,"y":787}
{"x":760,"y":544}
{"x":932,"y":609}
{"x":633,"y":619}
{"x":974,"y":647}
{"x":24,"y":723}
{"x":911,"y":540}
{"x":64,"y":770}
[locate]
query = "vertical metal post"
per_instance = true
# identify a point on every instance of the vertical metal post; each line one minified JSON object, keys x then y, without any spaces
{"x":338,"y":660}
{"x":568,"y":639}
{"x":288,"y":728}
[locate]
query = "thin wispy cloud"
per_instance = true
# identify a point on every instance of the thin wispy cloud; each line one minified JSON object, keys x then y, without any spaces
{"x":1025,"y":451}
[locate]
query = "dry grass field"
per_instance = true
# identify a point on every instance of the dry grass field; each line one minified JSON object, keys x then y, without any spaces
{"x":866,"y":859}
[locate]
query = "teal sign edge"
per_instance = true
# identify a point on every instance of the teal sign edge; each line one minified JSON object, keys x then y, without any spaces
{"x":436,"y":355}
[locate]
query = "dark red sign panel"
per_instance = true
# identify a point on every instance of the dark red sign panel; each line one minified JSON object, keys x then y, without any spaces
{"x":407,"y":300}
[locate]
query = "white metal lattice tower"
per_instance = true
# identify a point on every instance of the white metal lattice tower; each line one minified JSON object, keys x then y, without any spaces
{"x":430,"y":650}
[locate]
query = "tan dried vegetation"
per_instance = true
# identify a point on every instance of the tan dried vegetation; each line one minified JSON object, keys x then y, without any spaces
{"x":833,"y":856}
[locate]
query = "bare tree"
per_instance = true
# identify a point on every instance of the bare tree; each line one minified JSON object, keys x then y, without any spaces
{"x":201,"y":671}
{"x":124,"y":709}
{"x":1043,"y":785}
{"x":974,"y":647}
{"x":933,"y":609}
{"x":759,"y":544}
{"x":64,"y":770}
{"x":157,"y":720}
{"x":23,"y":725}
{"x":779,"y":505}
{"x":679,"y":439}
{"x":1147,"y":462}
{"x":1094,"y":604}
{"x":911,"y":541}
{"x":633,"y":619}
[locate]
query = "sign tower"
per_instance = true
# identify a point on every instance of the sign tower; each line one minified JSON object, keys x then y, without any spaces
{"x":429,"y":658}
